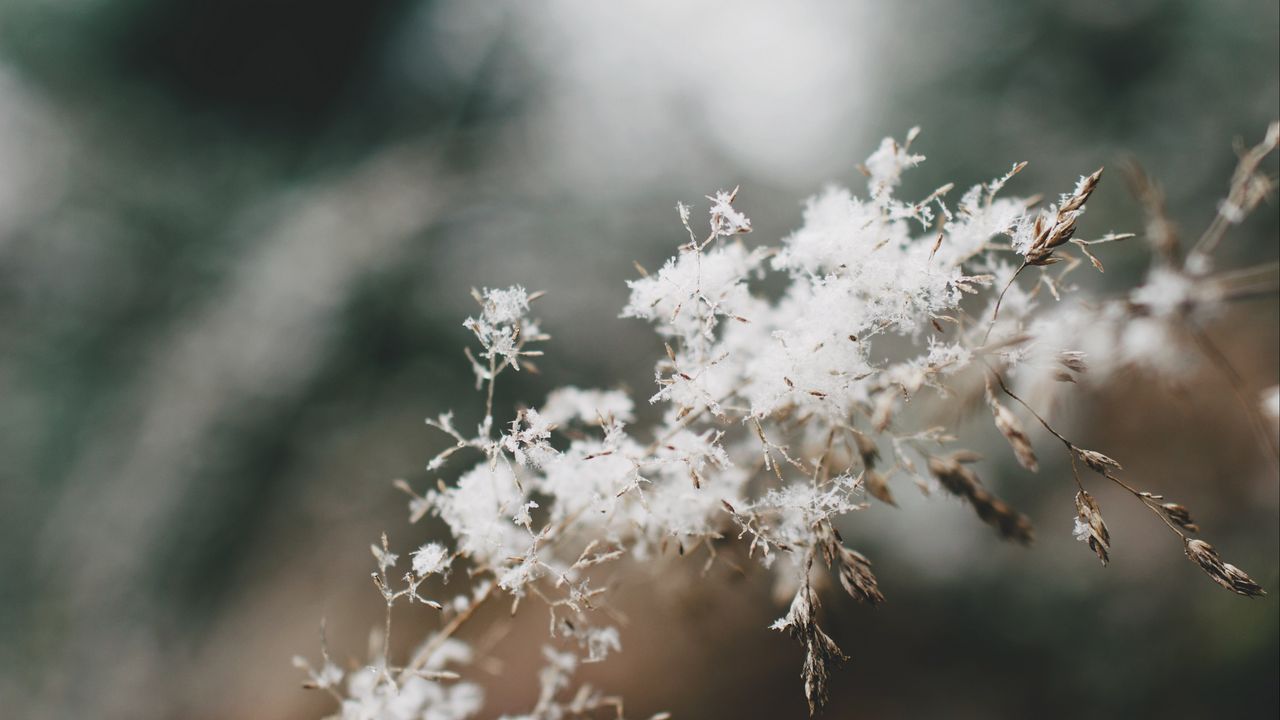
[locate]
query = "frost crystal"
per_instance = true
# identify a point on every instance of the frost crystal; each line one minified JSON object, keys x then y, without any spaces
{"x":430,"y":559}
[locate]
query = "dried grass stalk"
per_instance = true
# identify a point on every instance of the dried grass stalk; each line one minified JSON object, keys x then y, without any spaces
{"x":821,"y":652}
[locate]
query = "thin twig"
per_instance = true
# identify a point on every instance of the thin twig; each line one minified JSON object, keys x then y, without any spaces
{"x":1237,"y":383}
{"x":1000,"y":299}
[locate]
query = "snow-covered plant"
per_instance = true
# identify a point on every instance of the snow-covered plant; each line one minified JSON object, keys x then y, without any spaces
{"x":785,"y":412}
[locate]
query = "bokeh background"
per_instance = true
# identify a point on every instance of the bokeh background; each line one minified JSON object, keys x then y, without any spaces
{"x":236,"y":238}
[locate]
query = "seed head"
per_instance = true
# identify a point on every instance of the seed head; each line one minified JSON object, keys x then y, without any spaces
{"x":1227,"y":575}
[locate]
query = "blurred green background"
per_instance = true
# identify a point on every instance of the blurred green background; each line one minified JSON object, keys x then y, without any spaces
{"x":235,"y":242}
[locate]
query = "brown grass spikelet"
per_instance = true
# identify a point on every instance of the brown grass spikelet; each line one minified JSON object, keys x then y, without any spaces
{"x":853,"y":567}
{"x":1090,"y":528}
{"x":1096,"y":461}
{"x":856,"y":577}
{"x":1011,"y":428}
{"x":878,"y":487}
{"x":867,"y":449}
{"x":1050,"y":235}
{"x":821,"y":652}
{"x":1161,"y":233}
{"x":1225,"y":574}
{"x":964,"y":483}
{"x":1178,"y":515}
{"x":875,"y":483}
{"x":1082,"y":192}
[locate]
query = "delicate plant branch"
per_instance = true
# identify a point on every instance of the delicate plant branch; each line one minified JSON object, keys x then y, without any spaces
{"x":776,"y":413}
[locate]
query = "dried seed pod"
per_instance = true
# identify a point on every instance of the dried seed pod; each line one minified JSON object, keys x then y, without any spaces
{"x":1090,"y":528}
{"x":1179,"y":516}
{"x":963,"y":483}
{"x":1227,"y":575}
{"x":1082,"y":192}
{"x":857,"y":579}
{"x":1097,"y":462}
{"x":1048,"y":236}
{"x":1009,"y":426}
{"x":854,"y":569}
{"x":867,"y":449}
{"x":821,"y":652}
{"x":878,"y":487}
